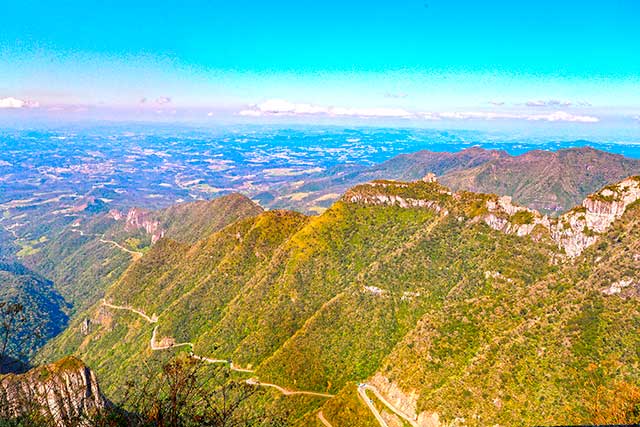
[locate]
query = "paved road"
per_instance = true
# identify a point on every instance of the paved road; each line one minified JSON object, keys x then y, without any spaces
{"x":152,"y":319}
{"x":323,"y":420}
{"x":285,"y":391}
{"x":361,"y":388}
{"x":135,"y":254}
{"x":362,"y":392}
{"x":231,"y":365}
{"x":398,"y":412}
{"x":155,"y":347}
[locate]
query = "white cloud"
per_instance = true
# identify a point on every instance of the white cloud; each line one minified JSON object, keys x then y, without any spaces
{"x":250,"y":113}
{"x":548,"y":103}
{"x":496,"y":103}
{"x":274,"y":107}
{"x":280,"y":107}
{"x":163,"y":100}
{"x":563,"y":116}
{"x":558,"y":116}
{"x":11,"y":102}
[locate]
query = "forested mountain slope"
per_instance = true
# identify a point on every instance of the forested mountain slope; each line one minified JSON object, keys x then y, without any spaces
{"x":84,"y":258}
{"x":452,"y":305}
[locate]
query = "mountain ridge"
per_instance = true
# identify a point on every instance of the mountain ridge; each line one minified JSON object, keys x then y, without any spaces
{"x":323,"y":303}
{"x":549,"y":181}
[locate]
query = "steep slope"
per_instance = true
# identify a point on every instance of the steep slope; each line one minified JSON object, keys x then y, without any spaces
{"x":85,"y":258}
{"x":435,"y":298}
{"x":548,"y":181}
{"x":62,"y":393}
{"x":562,"y":350}
{"x":31,"y":312}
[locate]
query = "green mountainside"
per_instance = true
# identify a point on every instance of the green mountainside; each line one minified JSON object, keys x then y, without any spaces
{"x":453,"y":306}
{"x":83,"y":259}
{"x":548,"y":181}
{"x":31,"y":312}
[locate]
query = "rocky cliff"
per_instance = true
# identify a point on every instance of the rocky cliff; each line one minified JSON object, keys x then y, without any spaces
{"x":579,"y":228}
{"x":140,"y":219}
{"x":63,"y":393}
{"x":573,"y":231}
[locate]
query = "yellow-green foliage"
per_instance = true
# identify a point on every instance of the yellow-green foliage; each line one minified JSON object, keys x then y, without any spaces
{"x":476,"y":322}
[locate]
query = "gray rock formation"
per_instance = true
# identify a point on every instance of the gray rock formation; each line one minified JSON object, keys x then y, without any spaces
{"x":64,"y":393}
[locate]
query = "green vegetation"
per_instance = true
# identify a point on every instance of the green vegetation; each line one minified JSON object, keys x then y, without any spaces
{"x":83,"y":263}
{"x":522,"y":217}
{"x":476,"y":323}
{"x":31,"y":312}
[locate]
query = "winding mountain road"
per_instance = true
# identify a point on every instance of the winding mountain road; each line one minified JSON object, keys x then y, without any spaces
{"x":285,"y":391}
{"x":380,"y":397}
{"x":362,"y":388}
{"x":135,"y":254}
{"x":152,"y":319}
{"x":231,"y":365}
{"x":323,"y":420}
{"x":362,"y":393}
{"x":157,"y":347}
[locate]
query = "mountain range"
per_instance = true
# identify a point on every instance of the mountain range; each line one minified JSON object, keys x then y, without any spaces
{"x":548,"y":181}
{"x":438,"y":307}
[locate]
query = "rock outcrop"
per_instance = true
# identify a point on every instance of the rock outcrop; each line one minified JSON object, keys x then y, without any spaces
{"x":573,"y":231}
{"x":504,"y":216}
{"x":140,"y":219}
{"x":405,"y":402}
{"x":578,"y":229}
{"x":63,"y":393}
{"x":382,"y":193}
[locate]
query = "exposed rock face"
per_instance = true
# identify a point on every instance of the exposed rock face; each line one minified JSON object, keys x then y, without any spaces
{"x":391,"y":200}
{"x":502,"y":213}
{"x":139,"y":219}
{"x":430,"y":177}
{"x":376,"y":194}
{"x":579,"y":228}
{"x":65,"y":392}
{"x":405,"y":402}
{"x":573,"y":232}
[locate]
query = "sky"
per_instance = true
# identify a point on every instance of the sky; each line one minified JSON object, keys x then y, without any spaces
{"x":535,"y":63}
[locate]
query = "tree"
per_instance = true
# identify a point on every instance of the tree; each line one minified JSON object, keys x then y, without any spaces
{"x":187,"y":392}
{"x":13,"y":336}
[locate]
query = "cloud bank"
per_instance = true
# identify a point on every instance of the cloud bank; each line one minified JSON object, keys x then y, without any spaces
{"x":275,"y":107}
{"x":548,"y":103}
{"x":15,"y":103}
{"x":280,"y":107}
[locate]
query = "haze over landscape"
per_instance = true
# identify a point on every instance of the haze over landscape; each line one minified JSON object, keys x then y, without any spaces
{"x":412,"y":213}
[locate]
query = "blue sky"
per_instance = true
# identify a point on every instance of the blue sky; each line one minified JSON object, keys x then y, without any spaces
{"x":534,"y":61}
